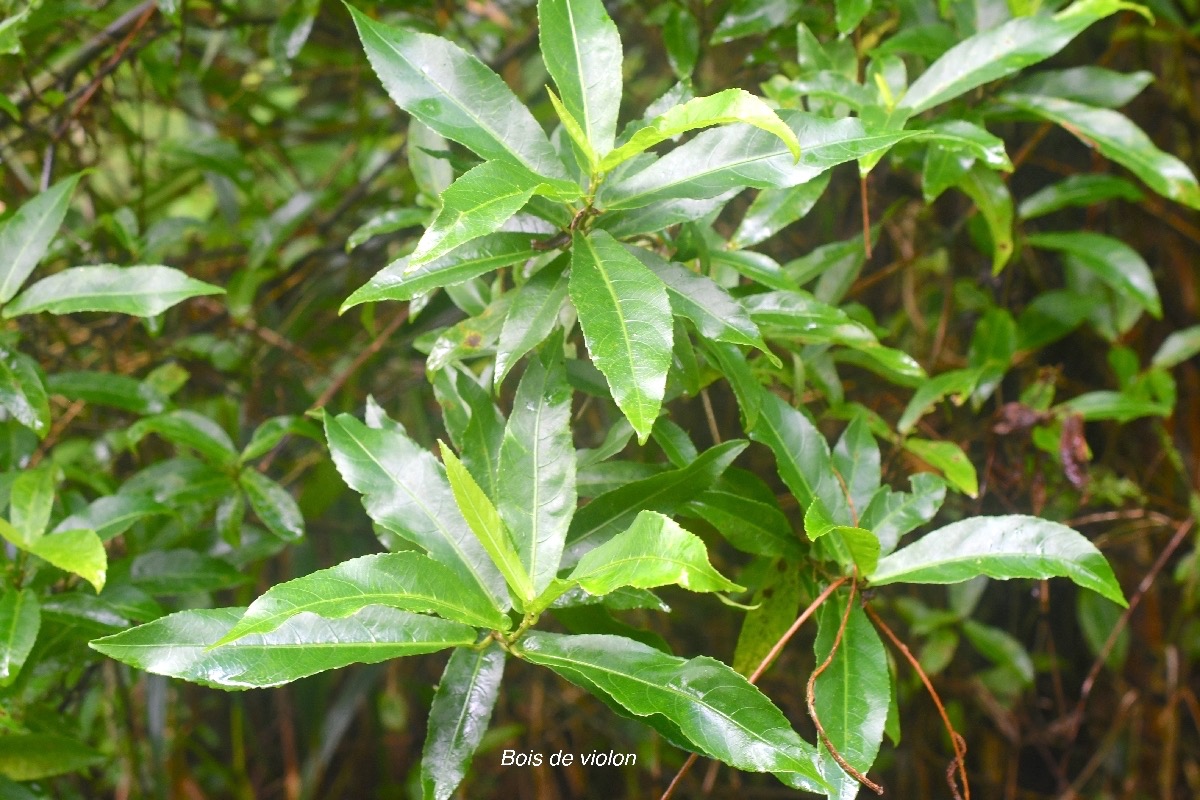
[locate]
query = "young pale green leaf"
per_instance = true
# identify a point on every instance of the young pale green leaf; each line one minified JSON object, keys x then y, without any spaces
{"x":23,"y":392}
{"x":487,"y":525}
{"x":273,"y":504}
{"x":893,"y":514}
{"x":722,"y":108}
{"x":406,"y":492}
{"x":179,"y":645}
{"x":701,"y":300}
{"x":25,"y":236}
{"x":744,"y":509}
{"x":475,"y":258}
{"x":408,"y":581}
{"x":1117,"y":138}
{"x":36,"y":756}
{"x":77,"y":551}
{"x":853,"y":548}
{"x":476,"y":204}
{"x":605,"y":516}
{"x":994,"y":202}
{"x":653,"y":551}
{"x":582,"y":51}
{"x":536,"y":478}
{"x":708,"y":704}
{"x":1000,"y":547}
{"x":950,"y":460}
{"x":1177,"y":348}
{"x":459,"y":717}
{"x":1001,"y":51}
{"x":1111,"y":260}
{"x":188,"y":429}
{"x":851,"y":695}
{"x":626,"y":319}
{"x":1077,"y":190}
{"x":20,"y":619}
{"x":140,"y":291}
{"x":30,"y":500}
{"x":575,"y":131}
{"x":775,"y":209}
{"x":532,"y":316}
{"x":457,"y":96}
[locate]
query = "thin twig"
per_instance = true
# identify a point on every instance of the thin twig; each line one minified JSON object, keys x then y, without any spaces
{"x":866,"y":216}
{"x":361,"y":358}
{"x":713,"y":430}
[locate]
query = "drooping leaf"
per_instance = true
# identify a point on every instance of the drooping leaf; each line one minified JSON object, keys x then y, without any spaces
{"x":1177,"y":348}
{"x":1089,"y":84}
{"x":140,"y":291}
{"x":405,"y":491}
{"x":273,"y":504}
{"x":995,"y":205}
{"x":20,"y":619}
{"x":856,"y":459}
{"x":1111,"y":260}
{"x":1119,"y":406}
{"x":582,"y":51}
{"x":30,"y":501}
{"x":626,"y":319}
{"x":108,"y":389}
{"x":77,"y":551}
{"x":1077,"y":190}
{"x":1000,"y":547}
{"x":801,"y":455}
{"x":459,"y":717}
{"x":457,"y":96}
{"x":23,"y":392}
{"x":178,"y":645}
{"x":536,"y":481}
{"x":948,"y":458}
{"x":709,"y":705}
{"x":25,"y":236}
{"x":408,"y":581}
{"x":531,"y":316}
{"x":744,"y":509}
{"x":957,"y":382}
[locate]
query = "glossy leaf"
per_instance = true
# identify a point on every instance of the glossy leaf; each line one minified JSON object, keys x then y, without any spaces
{"x":849,"y":13}
{"x":801,"y":455}
{"x":965,"y":137}
{"x":268,"y":435}
{"x":485,"y":522}
{"x":626,"y":319}
{"x":1114,"y":406}
{"x":188,"y":429}
{"x":108,"y":389}
{"x":273,"y":504}
{"x":744,"y":509}
{"x":1000,"y":547}
{"x":476,"y":204}
{"x":405,"y":491}
{"x":457,"y":96}
{"x":408,"y":581}
{"x":1177,"y":348}
{"x":958,"y":382}
{"x":390,"y":221}
{"x":30,"y":501}
{"x":852,"y":547}
{"x":1090,"y":84}
{"x":892,"y":514}
{"x":775,"y":209}
{"x":23,"y":392}
{"x":531,"y":316}
{"x":26,"y":235}
{"x":1116,"y":138}
{"x":459,"y":717}
{"x":949,"y":459}
{"x":995,"y":205}
{"x":1077,"y":190}
{"x":722,"y":108}
{"x":582,"y":51}
{"x":76,"y":551}
{"x":748,"y":17}
{"x":112,"y":515}
{"x":182,"y":571}
{"x":1113,"y":261}
{"x":179,"y":645}
{"x":140,"y":291}
{"x":536,"y":480}
{"x":478,"y":257}
{"x":711,"y":706}
{"x":20,"y":619}
{"x":856,"y":459}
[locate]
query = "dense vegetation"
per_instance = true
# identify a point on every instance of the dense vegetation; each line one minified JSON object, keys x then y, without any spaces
{"x":809,"y":390}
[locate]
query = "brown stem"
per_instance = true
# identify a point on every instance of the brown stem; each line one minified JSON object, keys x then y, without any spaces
{"x":866,"y":216}
{"x":960,"y":745}
{"x":811,"y":697}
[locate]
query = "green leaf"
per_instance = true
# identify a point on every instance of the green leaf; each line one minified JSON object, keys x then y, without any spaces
{"x":408,"y":581}
{"x":20,"y":619}
{"x":405,"y":491}
{"x":736,"y":156}
{"x":108,"y":389}
{"x":532,"y":316}
{"x":35,"y":756}
{"x":849,"y":13}
{"x":701,"y":300}
{"x":851,"y":695}
{"x":853,"y":548}
{"x":961,"y":136}
{"x":575,"y":132}
{"x":775,"y":209}
{"x":722,"y":108}
{"x":1177,"y":348}
{"x":77,"y":551}
{"x":178,"y":645}
{"x":22,"y":391}
{"x":958,"y":382}
{"x":31,"y":499}
{"x":748,"y":17}
{"x":736,"y":369}
{"x":487,"y":526}
{"x":582,"y":51}
{"x":681,"y":38}
{"x":459,"y":717}
{"x":1000,"y":547}
{"x":1002,"y":649}
{"x":1077,"y":190}
{"x":271,"y":432}
{"x":536,"y":479}
{"x":949,"y":459}
{"x":1117,"y":264}
{"x":798,"y":314}
{"x":775,"y":606}
{"x":479,"y":435}
{"x":709,"y":705}
{"x":1001,"y":51}
{"x":25,"y":236}
{"x":1116,"y":138}
{"x":801,"y":455}
{"x":614,"y":511}
{"x":390,"y":221}
{"x":111,"y":516}
{"x":476,"y":204}
{"x":1094,"y":406}
{"x":856,"y":459}
{"x":626,"y":319}
{"x":457,"y":96}
{"x":273,"y":504}
{"x":173,"y":572}
{"x":140,"y":291}
{"x":744,"y":509}
{"x":991,"y":197}
{"x":478,"y":257}
{"x":188,"y":429}
{"x":1091,"y":85}
{"x":653,"y":551}
{"x":893,"y":514}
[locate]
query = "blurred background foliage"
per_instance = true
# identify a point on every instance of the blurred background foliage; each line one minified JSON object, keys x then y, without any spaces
{"x":248,"y":144}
